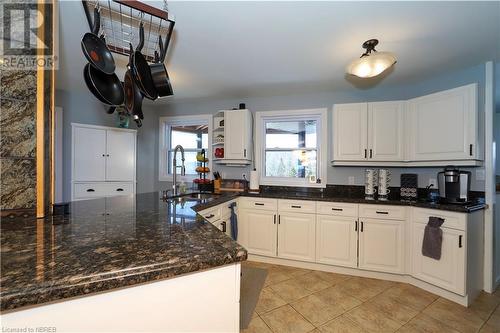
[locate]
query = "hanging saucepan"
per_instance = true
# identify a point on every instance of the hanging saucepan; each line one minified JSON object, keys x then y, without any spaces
{"x":106,"y":87}
{"x":95,"y":49}
{"x":159,"y":72}
{"x":133,"y":95}
{"x":141,"y":70}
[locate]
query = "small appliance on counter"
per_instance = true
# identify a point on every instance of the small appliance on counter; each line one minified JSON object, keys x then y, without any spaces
{"x":454,"y":185}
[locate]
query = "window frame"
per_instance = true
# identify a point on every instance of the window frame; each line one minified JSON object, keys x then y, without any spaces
{"x":262,"y":117}
{"x":164,"y":143}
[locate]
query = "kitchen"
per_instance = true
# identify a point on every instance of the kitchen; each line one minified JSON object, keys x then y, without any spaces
{"x":294,"y":169}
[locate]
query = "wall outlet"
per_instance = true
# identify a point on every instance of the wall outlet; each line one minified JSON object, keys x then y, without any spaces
{"x":434,"y":182}
{"x":350,"y":180}
{"x":480,"y":174}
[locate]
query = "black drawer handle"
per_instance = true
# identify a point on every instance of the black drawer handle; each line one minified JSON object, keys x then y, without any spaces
{"x":209,"y":216}
{"x":460,"y":241}
{"x":119,"y":189}
{"x":355,"y":225}
{"x":223,"y":225}
{"x":259,"y":204}
{"x":362,"y":225}
{"x":296,"y":206}
{"x":380,"y":212}
{"x":338,"y":209}
{"x":90,"y":190}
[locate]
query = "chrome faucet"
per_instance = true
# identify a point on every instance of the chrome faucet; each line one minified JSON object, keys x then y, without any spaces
{"x":183,"y":168}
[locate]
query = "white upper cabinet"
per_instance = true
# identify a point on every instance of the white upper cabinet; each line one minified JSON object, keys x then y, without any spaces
{"x":443,"y":125}
{"x":385,"y":131}
{"x":350,"y":132}
{"x":238,"y":126}
{"x":89,"y":154}
{"x":120,"y":162}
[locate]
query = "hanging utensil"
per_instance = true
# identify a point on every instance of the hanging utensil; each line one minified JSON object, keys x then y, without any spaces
{"x":159,"y":72}
{"x":141,"y":70}
{"x":133,"y":95}
{"x":106,"y":87}
{"x":95,"y":49}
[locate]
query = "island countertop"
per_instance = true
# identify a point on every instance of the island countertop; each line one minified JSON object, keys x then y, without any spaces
{"x":104,"y":244}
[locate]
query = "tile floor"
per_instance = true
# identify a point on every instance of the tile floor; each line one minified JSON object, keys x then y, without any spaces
{"x":298,"y":301}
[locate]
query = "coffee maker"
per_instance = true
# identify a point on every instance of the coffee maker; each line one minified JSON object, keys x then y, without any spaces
{"x":454,"y":185}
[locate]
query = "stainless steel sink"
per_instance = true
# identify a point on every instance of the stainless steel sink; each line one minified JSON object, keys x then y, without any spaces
{"x":195,"y":196}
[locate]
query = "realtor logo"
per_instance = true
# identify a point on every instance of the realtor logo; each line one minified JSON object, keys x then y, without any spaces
{"x":27,"y":36}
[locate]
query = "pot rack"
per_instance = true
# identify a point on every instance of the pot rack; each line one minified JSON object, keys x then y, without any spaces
{"x":120,"y":20}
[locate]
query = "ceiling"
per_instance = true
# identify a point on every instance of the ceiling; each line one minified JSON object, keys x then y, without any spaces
{"x":239,"y":49}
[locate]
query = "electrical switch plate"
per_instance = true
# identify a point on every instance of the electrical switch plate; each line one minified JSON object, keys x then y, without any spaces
{"x":350,"y":180}
{"x":433,"y":181}
{"x":480,"y":174}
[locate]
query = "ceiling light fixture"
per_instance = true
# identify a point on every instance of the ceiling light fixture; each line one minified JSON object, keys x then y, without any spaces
{"x":371,"y":63}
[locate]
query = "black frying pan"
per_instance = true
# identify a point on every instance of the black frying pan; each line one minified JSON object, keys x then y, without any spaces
{"x":141,"y":70}
{"x":133,"y":95}
{"x":106,"y":87}
{"x":95,"y":49}
{"x":159,"y":72}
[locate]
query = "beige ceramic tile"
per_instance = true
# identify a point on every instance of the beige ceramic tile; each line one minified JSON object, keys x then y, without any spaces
{"x":494,"y":320}
{"x":292,"y":271}
{"x":290,"y":290}
{"x":454,"y":315}
{"x":410,"y":296}
{"x":425,"y":324}
{"x":363,"y":288}
{"x":394,"y":310}
{"x":312,"y":282}
{"x":256,"y":325}
{"x":268,"y":300}
{"x":335,"y":296}
{"x":341,"y":324}
{"x":317,"y":311}
{"x":372,"y":319}
{"x":276,"y":276}
{"x":487,"y":328}
{"x":333,"y":278}
{"x":287,"y":320}
{"x":484,"y":305}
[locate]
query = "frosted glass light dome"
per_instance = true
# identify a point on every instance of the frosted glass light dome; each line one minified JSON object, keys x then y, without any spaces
{"x":371,"y":63}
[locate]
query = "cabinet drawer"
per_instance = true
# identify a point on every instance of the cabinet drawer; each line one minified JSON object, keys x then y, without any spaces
{"x":451,"y":220}
{"x":382,"y":212}
{"x":259,"y":203}
{"x":337,"y":209}
{"x":211,"y":214}
{"x":298,"y":206}
{"x":89,"y":190}
{"x":101,"y":189}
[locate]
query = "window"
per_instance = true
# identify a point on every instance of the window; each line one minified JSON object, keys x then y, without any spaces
{"x":290,"y":144}
{"x":193,"y":133}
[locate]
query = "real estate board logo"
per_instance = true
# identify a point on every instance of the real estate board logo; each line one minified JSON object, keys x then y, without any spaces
{"x":27,"y":41}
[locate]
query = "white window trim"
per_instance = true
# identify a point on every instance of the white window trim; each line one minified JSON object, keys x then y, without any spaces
{"x":262,"y":116}
{"x":163,"y":143}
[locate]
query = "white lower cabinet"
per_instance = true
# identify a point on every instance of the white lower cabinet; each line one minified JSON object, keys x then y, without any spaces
{"x":449,"y":271}
{"x":381,"y":245}
{"x":336,"y":240}
{"x":257,"y":231}
{"x":296,"y":236}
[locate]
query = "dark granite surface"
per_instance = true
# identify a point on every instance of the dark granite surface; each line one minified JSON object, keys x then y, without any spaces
{"x":106,"y":244}
{"x":348,"y":194}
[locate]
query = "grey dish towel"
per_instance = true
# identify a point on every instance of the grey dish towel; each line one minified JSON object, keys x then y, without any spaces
{"x":433,"y":237}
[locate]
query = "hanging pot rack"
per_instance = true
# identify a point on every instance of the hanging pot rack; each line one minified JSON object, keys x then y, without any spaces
{"x":120,"y":20}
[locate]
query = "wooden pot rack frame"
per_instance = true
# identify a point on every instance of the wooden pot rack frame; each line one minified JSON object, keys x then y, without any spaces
{"x":120,"y":20}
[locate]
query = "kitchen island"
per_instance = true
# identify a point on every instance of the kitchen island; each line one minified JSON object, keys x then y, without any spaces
{"x":111,"y":250}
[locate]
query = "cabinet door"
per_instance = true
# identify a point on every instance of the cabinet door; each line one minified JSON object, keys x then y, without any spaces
{"x":443,"y":125}
{"x":296,"y":236}
{"x":89,"y":154}
{"x":120,"y":160}
{"x":381,"y":245}
{"x":385,"y":131}
{"x":350,"y":132}
{"x":447,"y":272}
{"x":336,"y":240}
{"x":236,"y":129}
{"x":257,"y":231}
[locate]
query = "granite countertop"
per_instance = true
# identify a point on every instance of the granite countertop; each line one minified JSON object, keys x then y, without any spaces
{"x":347,"y":194}
{"x":106,"y":244}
